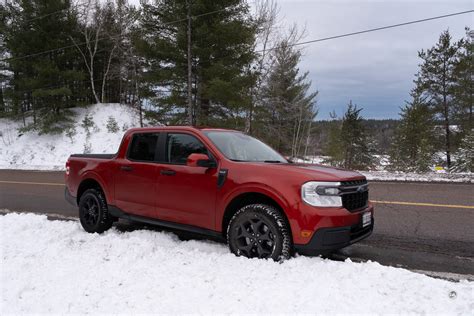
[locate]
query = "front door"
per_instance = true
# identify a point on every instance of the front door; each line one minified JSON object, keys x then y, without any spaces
{"x":136,"y":176}
{"x":186,"y":194}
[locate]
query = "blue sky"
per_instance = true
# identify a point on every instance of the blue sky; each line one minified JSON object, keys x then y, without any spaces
{"x":374,"y":70}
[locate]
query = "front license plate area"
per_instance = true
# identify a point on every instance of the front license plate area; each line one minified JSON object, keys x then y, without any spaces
{"x":366,"y":219}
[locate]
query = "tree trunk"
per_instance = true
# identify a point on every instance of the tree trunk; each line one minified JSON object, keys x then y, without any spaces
{"x":106,"y":73}
{"x":2,"y":102}
{"x":448,"y":134}
{"x":307,"y":138}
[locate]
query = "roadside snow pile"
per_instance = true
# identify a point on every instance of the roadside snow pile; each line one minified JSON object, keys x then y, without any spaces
{"x":419,"y":177}
{"x":55,"y":267}
{"x":383,"y":175}
{"x":102,"y":133}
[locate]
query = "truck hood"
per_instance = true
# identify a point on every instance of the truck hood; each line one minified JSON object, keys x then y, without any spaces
{"x":313,"y":171}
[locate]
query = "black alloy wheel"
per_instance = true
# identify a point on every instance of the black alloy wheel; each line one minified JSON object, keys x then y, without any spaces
{"x":259,"y":231}
{"x":93,"y":212}
{"x":254,"y":238}
{"x":90,"y":209}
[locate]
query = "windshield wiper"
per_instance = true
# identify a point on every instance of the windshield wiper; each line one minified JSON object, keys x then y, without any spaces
{"x":272,"y":161}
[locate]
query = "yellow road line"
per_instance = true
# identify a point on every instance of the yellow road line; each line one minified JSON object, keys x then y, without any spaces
{"x":32,"y":183}
{"x":422,"y":204}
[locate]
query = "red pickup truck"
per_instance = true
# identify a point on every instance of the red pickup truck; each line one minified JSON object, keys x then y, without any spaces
{"x":222,"y":184}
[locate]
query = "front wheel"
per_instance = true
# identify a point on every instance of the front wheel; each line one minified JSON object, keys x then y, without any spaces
{"x":259,"y":231}
{"x":93,"y":212}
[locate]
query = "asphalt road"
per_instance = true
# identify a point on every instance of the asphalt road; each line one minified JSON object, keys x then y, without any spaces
{"x":420,"y":226}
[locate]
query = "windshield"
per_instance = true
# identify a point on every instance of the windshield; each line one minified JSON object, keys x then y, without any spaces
{"x":240,"y":147}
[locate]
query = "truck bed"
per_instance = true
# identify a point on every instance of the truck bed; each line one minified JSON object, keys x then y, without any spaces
{"x":94,"y":156}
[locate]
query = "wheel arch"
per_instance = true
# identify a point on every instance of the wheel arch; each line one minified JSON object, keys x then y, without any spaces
{"x":86,"y":184}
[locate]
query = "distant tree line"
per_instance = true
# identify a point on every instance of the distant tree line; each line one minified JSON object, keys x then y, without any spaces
{"x":438,"y":118}
{"x":200,"y":62}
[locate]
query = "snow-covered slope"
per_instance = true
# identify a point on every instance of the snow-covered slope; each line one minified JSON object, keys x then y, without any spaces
{"x":49,"y":152}
{"x":55,"y":267}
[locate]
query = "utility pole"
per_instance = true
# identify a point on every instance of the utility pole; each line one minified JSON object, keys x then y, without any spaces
{"x":190,"y":99}
{"x":471,"y":35}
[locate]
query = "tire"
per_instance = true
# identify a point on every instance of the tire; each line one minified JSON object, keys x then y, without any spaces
{"x":259,"y":231}
{"x":93,"y":212}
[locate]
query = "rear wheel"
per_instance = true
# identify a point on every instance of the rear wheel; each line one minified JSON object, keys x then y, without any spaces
{"x":93,"y":212}
{"x":259,"y":231}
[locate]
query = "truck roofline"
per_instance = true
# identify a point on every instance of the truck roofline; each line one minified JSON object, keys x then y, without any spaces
{"x":178,"y":127}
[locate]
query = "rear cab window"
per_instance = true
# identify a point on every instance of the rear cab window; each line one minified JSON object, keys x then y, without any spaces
{"x":143,"y":147}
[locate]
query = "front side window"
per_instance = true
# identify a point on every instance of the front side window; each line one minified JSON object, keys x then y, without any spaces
{"x":143,"y":147}
{"x":240,"y":147}
{"x":180,"y":146}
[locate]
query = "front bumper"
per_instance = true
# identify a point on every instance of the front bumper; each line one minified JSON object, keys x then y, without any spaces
{"x":328,"y":239}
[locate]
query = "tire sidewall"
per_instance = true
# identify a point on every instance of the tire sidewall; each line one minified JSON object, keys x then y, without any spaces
{"x":273,"y":219}
{"x":104,"y":222}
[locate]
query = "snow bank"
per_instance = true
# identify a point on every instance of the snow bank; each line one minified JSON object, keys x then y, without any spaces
{"x":55,"y":267}
{"x":50,"y":152}
{"x":383,"y":175}
{"x":467,"y":177}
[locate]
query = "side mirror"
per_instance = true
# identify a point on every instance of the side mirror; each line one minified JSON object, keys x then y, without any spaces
{"x":200,"y":160}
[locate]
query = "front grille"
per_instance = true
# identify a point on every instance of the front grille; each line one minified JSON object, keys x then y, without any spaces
{"x":355,"y":201}
{"x":353,"y":198}
{"x":353,"y":183}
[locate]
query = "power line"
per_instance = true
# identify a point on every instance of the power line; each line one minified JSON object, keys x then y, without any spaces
{"x":111,"y":37}
{"x":371,"y":30}
{"x":44,"y":16}
{"x":295,"y":44}
{"x":53,"y":13}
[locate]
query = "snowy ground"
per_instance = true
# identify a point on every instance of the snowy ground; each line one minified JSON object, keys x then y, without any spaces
{"x":55,"y":267}
{"x":50,"y":152}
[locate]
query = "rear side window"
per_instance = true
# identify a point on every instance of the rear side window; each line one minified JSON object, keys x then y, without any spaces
{"x":180,"y":146}
{"x":143,"y":147}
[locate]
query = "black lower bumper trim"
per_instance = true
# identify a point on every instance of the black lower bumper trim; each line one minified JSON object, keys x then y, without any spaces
{"x":68,"y":196}
{"x":326,"y":240}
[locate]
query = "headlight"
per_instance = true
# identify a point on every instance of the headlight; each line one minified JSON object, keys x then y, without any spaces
{"x":324,"y":194}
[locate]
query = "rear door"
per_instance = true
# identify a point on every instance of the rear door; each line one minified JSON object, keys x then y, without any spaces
{"x":136,"y":176}
{"x":185,"y":194}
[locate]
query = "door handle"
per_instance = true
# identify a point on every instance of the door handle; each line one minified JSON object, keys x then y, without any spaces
{"x":126,"y":168}
{"x":168,"y":172}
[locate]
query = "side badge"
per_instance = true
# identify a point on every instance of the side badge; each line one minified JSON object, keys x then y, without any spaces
{"x":221,"y":177}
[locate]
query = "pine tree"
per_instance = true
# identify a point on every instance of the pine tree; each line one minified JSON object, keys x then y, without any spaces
{"x":220,"y":46}
{"x":464,"y":84}
{"x":358,"y":153}
{"x":464,"y":157}
{"x":352,"y":147}
{"x":288,"y":103}
{"x":3,"y":69}
{"x":333,"y":147}
{"x":413,"y":144}
{"x":44,"y":85}
{"x":436,"y":81}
